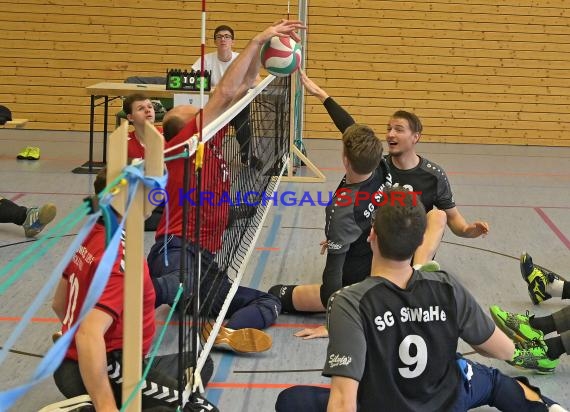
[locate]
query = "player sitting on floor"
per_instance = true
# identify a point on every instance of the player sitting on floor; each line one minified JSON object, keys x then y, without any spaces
{"x":533,"y":351}
{"x":250,"y":309}
{"x":393,"y":336}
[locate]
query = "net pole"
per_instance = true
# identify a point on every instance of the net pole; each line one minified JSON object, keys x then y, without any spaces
{"x":183,"y":281}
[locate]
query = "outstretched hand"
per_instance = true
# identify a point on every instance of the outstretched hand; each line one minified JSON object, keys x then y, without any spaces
{"x":477,"y":229}
{"x":282,"y":28}
{"x":312,"y":333}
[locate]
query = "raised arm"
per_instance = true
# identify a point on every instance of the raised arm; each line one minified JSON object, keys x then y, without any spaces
{"x":244,"y":69}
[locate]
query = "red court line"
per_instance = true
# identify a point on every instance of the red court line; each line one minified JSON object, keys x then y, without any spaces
{"x":270,"y":249}
{"x":508,"y":174}
{"x":235,"y":385}
{"x":14,"y":319}
{"x":18,"y":196}
{"x":452,"y":173}
{"x":553,"y":227}
{"x":516,"y":206}
{"x":296,"y":325}
{"x":34,"y":320}
{"x":50,"y":193}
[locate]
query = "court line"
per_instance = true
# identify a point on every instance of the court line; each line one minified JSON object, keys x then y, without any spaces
{"x":224,"y":368}
{"x":218,"y":386}
{"x":553,"y":227}
{"x":453,"y":173}
{"x":15,"y":319}
{"x":18,"y":196}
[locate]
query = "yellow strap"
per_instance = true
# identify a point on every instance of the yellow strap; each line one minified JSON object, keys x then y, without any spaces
{"x":199,"y":155}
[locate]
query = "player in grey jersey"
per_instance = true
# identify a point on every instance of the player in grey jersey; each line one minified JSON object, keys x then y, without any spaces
{"x":393,"y":337}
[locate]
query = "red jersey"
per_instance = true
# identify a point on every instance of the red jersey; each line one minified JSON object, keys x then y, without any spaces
{"x":215,"y":184}
{"x":135,"y":149}
{"x":79,"y":274}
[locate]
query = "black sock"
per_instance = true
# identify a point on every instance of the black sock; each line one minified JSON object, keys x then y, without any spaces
{"x":12,"y":213}
{"x":544,"y":324}
{"x":566,"y":290}
{"x":555,"y":347}
{"x":285,"y":295}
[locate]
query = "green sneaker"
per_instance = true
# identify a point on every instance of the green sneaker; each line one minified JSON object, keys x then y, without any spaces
{"x":38,"y":218}
{"x":516,"y":326}
{"x":33,"y":153}
{"x":23,"y":155}
{"x":533,"y":356}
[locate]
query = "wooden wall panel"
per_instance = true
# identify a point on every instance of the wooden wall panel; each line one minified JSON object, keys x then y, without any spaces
{"x":475,"y":71}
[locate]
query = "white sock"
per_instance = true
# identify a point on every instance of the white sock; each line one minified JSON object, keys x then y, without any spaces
{"x":556,"y":408}
{"x":554,"y":289}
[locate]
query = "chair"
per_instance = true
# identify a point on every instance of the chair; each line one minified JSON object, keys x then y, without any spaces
{"x":164,"y":104}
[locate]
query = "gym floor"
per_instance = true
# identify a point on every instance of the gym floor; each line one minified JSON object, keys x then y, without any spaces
{"x":521,"y":191}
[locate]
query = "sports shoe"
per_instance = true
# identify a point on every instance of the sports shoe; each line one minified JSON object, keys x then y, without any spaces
{"x":38,"y":218}
{"x":23,"y":153}
{"x":198,"y":403}
{"x":247,"y":340}
{"x":33,"y":153}
{"x":56,"y":335}
{"x":81,"y":403}
{"x":516,"y":326}
{"x":537,"y":278}
{"x":532,"y":355}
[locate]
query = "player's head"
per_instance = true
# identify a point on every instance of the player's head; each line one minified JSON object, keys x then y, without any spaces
{"x":176,"y":118}
{"x":224,"y":37}
{"x":403,"y":132}
{"x":139,"y":109}
{"x":398,"y":226}
{"x":361,"y":148}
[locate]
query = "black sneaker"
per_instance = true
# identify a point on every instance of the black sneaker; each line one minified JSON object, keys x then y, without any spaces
{"x":197,"y":403}
{"x":537,"y":278}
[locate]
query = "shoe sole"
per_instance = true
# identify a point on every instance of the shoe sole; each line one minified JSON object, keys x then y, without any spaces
{"x":539,"y":370}
{"x":246,"y":340}
{"x":513,"y":335}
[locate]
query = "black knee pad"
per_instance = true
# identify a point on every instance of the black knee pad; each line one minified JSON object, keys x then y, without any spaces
{"x":285,"y":295}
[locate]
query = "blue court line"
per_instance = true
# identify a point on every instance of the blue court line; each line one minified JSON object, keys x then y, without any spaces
{"x":226,"y":361}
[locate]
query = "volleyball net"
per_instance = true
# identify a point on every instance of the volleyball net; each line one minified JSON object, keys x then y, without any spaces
{"x":246,"y":151}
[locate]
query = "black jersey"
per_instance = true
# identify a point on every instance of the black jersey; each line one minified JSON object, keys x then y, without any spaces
{"x":429,"y":179}
{"x":400,"y":344}
{"x":347,"y":225}
{"x":347,"y":219}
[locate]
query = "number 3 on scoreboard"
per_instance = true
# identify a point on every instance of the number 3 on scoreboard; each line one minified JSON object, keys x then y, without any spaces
{"x":175,"y":82}
{"x":419,"y":360}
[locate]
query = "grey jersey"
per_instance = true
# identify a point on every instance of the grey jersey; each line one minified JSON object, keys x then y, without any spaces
{"x":403,"y":341}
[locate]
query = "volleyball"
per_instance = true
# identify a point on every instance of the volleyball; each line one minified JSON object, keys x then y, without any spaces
{"x":281,"y":56}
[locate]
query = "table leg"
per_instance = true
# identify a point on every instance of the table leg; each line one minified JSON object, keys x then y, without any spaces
{"x":106,"y":112}
{"x":91,"y":127}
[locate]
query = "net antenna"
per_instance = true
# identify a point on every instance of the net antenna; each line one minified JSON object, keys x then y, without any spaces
{"x":298,"y":156}
{"x":188,"y":377}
